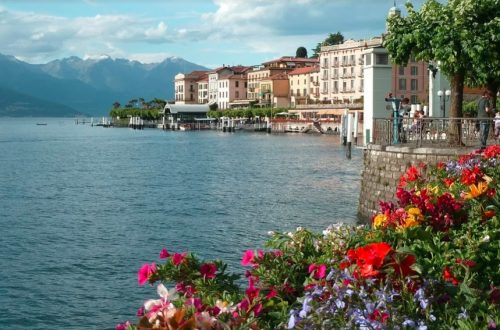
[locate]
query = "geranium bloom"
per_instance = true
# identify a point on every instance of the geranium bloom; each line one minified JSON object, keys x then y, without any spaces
{"x":448,"y":276}
{"x":145,"y":272}
{"x":208,"y":270}
{"x":476,"y":190}
{"x":164,"y":254}
{"x":248,"y":257}
{"x":178,"y":258}
{"x":370,"y":258}
{"x":318,"y":271}
{"x":412,"y":174}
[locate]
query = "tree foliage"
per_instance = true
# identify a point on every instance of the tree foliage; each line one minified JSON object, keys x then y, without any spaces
{"x":301,"y":52}
{"x":332,"y":39}
{"x":461,"y":37}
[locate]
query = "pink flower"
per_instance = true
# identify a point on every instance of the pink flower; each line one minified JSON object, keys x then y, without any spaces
{"x":318,"y":271}
{"x":257,"y":309}
{"x":248,"y":258}
{"x":273,"y":293}
{"x":164,"y":254}
{"x":178,"y":258}
{"x":208,"y":270}
{"x":145,"y":273}
{"x":140,"y":312}
{"x":123,"y":326}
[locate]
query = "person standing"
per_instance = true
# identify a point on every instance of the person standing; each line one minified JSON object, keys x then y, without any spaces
{"x":483,"y":114}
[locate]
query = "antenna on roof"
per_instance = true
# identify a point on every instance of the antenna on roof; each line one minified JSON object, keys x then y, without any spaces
{"x":394,"y":3}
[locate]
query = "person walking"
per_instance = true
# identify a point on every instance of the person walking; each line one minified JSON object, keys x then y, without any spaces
{"x":483,"y":114}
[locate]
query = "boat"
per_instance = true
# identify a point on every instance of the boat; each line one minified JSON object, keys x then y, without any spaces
{"x":41,"y":124}
{"x":184,"y":127}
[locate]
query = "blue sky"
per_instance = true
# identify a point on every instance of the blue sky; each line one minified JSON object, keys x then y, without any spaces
{"x":205,"y":32}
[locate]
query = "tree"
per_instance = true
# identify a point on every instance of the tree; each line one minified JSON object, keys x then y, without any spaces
{"x":116,"y":105}
{"x":301,"y":52}
{"x":332,"y":39}
{"x":453,"y":35}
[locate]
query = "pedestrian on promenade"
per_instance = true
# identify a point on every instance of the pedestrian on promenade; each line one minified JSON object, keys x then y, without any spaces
{"x":497,"y":124}
{"x":483,"y":115}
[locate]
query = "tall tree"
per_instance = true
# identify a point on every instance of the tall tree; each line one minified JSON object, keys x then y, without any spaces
{"x":332,"y":39}
{"x":452,"y":35}
{"x":301,"y":52}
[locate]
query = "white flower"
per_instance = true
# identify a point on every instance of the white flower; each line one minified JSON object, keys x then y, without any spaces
{"x":485,"y":239}
{"x":300,"y":228}
{"x":270,"y":233}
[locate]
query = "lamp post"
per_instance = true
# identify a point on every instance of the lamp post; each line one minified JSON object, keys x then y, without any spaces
{"x":443,"y":96}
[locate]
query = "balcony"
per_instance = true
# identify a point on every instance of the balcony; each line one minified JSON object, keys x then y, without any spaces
{"x":336,"y":64}
{"x":324,"y":77}
{"x":324,"y":91}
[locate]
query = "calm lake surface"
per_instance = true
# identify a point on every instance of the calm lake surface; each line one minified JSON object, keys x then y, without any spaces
{"x":82,"y":208}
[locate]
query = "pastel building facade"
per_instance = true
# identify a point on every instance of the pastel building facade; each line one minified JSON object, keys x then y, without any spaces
{"x":266,"y":83}
{"x":304,"y":85}
{"x":186,"y":87}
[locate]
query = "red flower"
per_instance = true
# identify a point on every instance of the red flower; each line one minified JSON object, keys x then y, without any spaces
{"x":468,"y":263}
{"x":370,"y":258}
{"x":440,"y":165}
{"x":448,"y":276}
{"x":470,"y":176}
{"x":404,"y":267}
{"x":208,"y":270}
{"x":491,"y":192}
{"x":488,"y":214}
{"x":178,"y":258}
{"x":448,"y":181}
{"x":412,"y":174}
{"x":145,"y":273}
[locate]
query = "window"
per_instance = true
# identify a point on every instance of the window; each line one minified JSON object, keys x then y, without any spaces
{"x":414,"y":84}
{"x":368,"y":59}
{"x":352,"y":85}
{"x":414,"y":99}
{"x":245,"y":84}
{"x":305,"y":91}
{"x":382,"y":59}
{"x":291,"y":92}
{"x":402,"y":84}
{"x":298,"y":92}
{"x":237,"y":84}
{"x":237,"y":94}
{"x":353,"y":59}
{"x":401,"y":70}
{"x":414,"y":70}
{"x":344,"y":86}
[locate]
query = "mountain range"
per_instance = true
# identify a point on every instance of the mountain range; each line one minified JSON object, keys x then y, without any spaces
{"x":74,"y":86}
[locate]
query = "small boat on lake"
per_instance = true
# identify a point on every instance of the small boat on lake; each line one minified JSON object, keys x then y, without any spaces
{"x":41,"y":124}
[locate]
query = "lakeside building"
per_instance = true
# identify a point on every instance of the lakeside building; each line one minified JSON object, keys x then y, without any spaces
{"x":186,"y":87}
{"x":265,"y":91}
{"x":227,"y":84}
{"x":203,"y":89}
{"x":304,"y":85}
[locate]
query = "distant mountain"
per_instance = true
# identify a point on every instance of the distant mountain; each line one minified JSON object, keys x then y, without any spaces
{"x":14,"y":104}
{"x":91,"y":85}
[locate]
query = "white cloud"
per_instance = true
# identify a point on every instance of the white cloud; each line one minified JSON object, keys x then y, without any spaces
{"x":267,"y":28}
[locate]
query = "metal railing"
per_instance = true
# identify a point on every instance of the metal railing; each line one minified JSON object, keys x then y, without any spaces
{"x":431,"y":132}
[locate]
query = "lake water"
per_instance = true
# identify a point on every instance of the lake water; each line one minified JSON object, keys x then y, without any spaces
{"x":82,"y":208}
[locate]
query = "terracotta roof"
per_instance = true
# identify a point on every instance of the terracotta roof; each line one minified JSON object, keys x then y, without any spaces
{"x":293,"y":59}
{"x":279,"y":76}
{"x":304,"y":70}
{"x":195,"y":75}
{"x":203,"y":78}
{"x":233,"y":76}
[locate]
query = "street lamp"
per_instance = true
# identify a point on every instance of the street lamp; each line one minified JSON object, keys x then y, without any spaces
{"x":444,"y":96}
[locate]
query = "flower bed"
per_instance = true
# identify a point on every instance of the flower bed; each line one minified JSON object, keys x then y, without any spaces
{"x":429,"y":261}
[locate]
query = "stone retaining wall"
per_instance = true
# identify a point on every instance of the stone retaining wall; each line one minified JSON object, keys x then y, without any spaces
{"x":383,"y":166}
